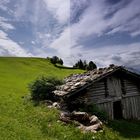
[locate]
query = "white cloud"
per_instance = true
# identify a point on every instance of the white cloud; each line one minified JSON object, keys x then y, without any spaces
{"x":63,"y":44}
{"x":94,"y":22}
{"x":20,"y":9}
{"x":60,"y":9}
{"x":5,"y":25}
{"x":33,"y":11}
{"x":9,"y":47}
{"x":85,"y":27}
{"x":3,"y":4}
{"x":33,"y":42}
{"x":3,"y":35}
{"x":127,"y":19}
{"x":117,"y":54}
{"x":135,"y":33}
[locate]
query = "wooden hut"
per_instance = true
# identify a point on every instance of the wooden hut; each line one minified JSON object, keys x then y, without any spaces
{"x":115,"y":90}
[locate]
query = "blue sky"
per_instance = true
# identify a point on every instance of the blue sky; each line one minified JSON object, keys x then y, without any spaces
{"x":105,"y":31}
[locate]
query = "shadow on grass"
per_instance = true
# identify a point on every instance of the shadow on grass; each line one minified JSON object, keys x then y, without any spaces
{"x":127,"y":129}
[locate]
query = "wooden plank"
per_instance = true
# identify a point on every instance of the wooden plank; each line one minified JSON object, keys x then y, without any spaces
{"x":128,"y":112}
{"x":131,"y":87}
{"x":124,"y":108}
{"x":108,"y":108}
{"x":138,"y":100}
{"x":114,"y":86}
{"x":137,"y":106}
{"x":95,"y":95}
{"x":131,"y":90}
{"x":96,"y":91}
{"x":96,"y":88}
{"x":112,"y":115}
{"x":133,"y":108}
{"x":130,"y":95}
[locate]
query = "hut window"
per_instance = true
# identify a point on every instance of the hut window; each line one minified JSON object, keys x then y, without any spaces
{"x":106,"y":88}
{"x":123,"y":87}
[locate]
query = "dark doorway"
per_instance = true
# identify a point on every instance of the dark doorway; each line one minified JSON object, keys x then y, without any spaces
{"x":117,"y":109}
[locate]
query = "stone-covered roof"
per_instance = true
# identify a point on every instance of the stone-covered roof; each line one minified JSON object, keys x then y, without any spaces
{"x":77,"y":82}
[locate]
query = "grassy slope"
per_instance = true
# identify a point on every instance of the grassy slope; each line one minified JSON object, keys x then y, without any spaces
{"x":20,"y":120}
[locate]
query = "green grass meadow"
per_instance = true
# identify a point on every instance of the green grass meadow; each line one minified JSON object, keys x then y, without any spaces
{"x":20,"y":119}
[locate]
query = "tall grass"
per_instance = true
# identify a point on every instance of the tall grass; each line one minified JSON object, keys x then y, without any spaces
{"x":21,"y":120}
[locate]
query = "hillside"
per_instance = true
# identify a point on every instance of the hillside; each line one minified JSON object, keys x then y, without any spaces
{"x":20,"y":119}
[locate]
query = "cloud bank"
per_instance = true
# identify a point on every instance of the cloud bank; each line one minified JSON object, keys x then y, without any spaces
{"x":105,"y":31}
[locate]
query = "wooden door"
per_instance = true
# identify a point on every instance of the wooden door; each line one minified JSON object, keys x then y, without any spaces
{"x":117,"y":110}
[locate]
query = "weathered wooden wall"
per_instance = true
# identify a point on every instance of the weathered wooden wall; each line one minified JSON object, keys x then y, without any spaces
{"x":131,"y":100}
{"x":114,"y":86}
{"x":108,"y":108}
{"x":116,"y":89}
{"x":131,"y":107}
{"x":95,"y":92}
{"x":131,"y":88}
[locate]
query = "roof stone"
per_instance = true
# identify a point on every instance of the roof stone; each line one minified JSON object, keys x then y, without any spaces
{"x":76,"y":81}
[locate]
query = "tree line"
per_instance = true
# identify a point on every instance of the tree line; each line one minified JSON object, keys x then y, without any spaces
{"x":79,"y":64}
{"x":55,"y":60}
{"x":84,"y":65}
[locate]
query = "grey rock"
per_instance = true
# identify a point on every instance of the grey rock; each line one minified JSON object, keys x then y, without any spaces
{"x":93,"y":124}
{"x":94,"y":119}
{"x":93,"y":128}
{"x":56,"y":105}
